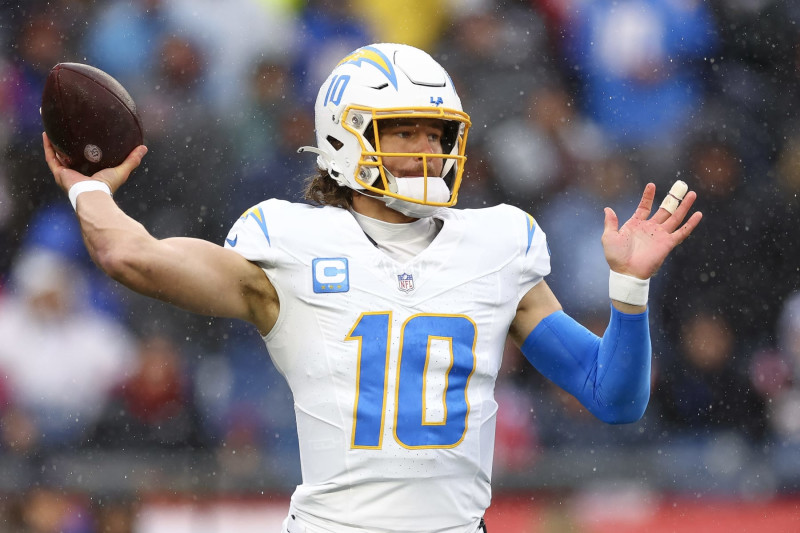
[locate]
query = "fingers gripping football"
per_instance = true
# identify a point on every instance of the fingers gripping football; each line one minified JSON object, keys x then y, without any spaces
{"x":118,"y":175}
{"x":113,"y":177}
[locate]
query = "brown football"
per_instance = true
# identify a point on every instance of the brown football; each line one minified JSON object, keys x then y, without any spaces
{"x":89,"y":117}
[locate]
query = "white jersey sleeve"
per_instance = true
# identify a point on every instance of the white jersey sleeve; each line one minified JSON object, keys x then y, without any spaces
{"x":536,"y":256}
{"x":392,"y":365}
{"x":251,"y":236}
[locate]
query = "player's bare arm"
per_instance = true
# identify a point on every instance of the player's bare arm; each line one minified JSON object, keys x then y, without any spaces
{"x":537,"y":303}
{"x":193,"y":274}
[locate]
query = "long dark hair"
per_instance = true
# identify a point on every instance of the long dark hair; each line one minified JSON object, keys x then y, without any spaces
{"x":322,"y":189}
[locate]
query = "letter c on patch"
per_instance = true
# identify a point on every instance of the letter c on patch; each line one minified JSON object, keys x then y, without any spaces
{"x":330,"y":275}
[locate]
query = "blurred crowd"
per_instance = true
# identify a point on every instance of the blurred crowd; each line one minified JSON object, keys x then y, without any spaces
{"x":576,"y":105}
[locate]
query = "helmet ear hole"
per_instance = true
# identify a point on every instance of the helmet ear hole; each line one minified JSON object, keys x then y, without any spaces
{"x":333,"y":141}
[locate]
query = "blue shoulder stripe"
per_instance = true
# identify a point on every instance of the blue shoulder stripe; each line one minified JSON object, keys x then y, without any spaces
{"x":258,"y":216}
{"x":531,"y":231}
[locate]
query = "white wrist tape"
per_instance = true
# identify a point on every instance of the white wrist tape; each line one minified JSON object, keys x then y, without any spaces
{"x":86,"y":186}
{"x":628,"y":289}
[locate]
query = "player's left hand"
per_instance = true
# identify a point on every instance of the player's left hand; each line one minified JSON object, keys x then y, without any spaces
{"x":642,"y":244}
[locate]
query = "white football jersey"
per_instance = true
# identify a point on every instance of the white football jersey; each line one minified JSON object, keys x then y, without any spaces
{"x":392,"y":365}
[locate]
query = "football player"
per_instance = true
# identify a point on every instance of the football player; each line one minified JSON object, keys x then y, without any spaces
{"x":387,"y":309}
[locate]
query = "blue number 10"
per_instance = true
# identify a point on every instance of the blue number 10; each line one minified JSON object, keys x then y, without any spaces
{"x":336,"y":89}
{"x":412,"y":427}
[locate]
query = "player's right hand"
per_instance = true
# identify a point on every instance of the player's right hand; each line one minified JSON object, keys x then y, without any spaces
{"x":113,"y":177}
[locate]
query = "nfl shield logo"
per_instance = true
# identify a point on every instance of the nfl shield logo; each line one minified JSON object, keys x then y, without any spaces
{"x":405,"y":282}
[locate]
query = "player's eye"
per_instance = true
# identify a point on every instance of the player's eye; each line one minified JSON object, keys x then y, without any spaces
{"x":404,"y":133}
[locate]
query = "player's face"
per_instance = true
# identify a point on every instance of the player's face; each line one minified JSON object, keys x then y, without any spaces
{"x":421,"y":135}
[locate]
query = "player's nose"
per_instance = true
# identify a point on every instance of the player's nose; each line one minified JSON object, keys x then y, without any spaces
{"x":424,"y":145}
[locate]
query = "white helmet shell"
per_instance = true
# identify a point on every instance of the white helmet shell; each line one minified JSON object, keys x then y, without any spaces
{"x":387,"y":81}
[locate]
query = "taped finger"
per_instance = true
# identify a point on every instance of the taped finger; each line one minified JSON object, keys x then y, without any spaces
{"x":674,"y":197}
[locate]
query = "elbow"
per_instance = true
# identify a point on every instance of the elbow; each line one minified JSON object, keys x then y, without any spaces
{"x":627,"y":415}
{"x":624,"y":412}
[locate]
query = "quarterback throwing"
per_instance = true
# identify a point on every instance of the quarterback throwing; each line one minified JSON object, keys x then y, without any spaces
{"x":386,"y":308}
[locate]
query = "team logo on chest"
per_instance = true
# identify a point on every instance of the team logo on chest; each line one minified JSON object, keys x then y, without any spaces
{"x":405,"y":282}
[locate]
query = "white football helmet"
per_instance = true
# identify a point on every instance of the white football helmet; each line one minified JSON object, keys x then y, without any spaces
{"x":389,"y":81}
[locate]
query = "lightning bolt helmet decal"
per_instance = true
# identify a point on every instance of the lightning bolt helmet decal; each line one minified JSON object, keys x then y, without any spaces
{"x":376,"y":58}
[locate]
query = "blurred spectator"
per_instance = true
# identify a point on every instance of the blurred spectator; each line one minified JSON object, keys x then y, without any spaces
{"x":255,"y":125}
{"x":479,"y":187}
{"x":415,"y":22}
{"x":189,"y":162}
{"x":231,"y":36}
{"x":285,"y":177}
{"x":6,"y":206}
{"x":154,"y":407}
{"x":723,"y":260}
{"x":7,"y":16}
{"x":48,"y":510}
{"x":115,"y":514}
{"x":706,"y":389}
{"x":8,"y":105}
{"x":60,"y":358}
{"x":557,"y":13}
{"x":40,"y":45}
{"x":44,"y":509}
{"x":757,"y":70}
{"x":41,"y":42}
{"x":640,"y":65}
{"x":789,"y":344}
{"x":777,"y":375}
{"x":329,"y":30}
{"x":272,"y":127}
{"x":124,"y":39}
{"x":557,"y":144}
{"x":247,"y":406}
{"x":783,"y":212}
{"x":494,"y":55}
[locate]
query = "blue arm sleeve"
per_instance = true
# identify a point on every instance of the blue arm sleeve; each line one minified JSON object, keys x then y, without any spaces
{"x":610,"y":376}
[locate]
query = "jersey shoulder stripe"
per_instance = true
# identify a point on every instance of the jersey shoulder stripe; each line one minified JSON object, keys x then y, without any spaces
{"x":273,"y":228}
